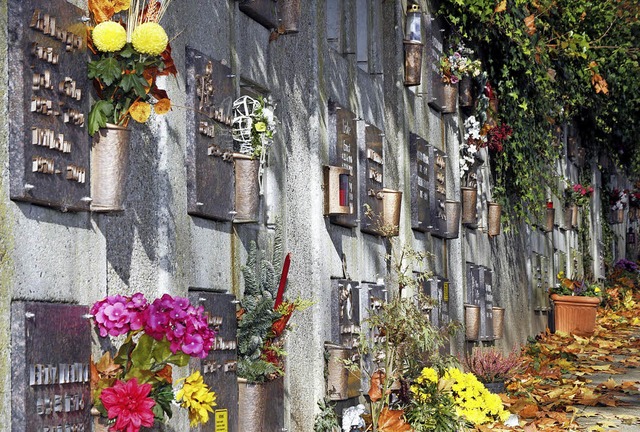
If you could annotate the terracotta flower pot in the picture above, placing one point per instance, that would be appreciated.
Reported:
(575, 314)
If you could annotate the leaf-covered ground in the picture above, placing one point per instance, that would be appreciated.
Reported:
(581, 384)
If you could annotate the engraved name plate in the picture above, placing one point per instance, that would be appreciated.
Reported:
(50, 355)
(48, 104)
(210, 179)
(372, 174)
(219, 367)
(438, 193)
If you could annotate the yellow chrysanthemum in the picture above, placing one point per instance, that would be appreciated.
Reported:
(121, 5)
(150, 38)
(140, 111)
(162, 106)
(109, 36)
(429, 374)
(197, 398)
(260, 126)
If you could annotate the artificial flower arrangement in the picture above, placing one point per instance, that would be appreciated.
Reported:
(456, 65)
(450, 400)
(253, 126)
(131, 49)
(579, 194)
(135, 388)
(474, 140)
(618, 199)
(574, 287)
(497, 136)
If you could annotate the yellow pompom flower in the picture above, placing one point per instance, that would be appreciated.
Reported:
(150, 38)
(197, 398)
(260, 126)
(140, 111)
(109, 36)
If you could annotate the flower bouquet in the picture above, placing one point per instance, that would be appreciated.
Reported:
(135, 387)
(618, 199)
(130, 50)
(459, 64)
(496, 137)
(574, 287)
(578, 194)
(474, 140)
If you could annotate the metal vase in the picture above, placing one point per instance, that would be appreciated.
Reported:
(391, 204)
(412, 63)
(617, 216)
(495, 212)
(465, 97)
(498, 322)
(341, 384)
(247, 188)
(472, 321)
(568, 216)
(575, 216)
(550, 220)
(452, 211)
(260, 406)
(469, 205)
(450, 99)
(109, 167)
(289, 15)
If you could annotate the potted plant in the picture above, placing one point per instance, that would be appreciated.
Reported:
(134, 388)
(130, 51)
(575, 304)
(492, 367)
(262, 324)
(450, 400)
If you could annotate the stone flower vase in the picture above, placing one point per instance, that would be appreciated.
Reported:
(109, 167)
(575, 314)
(495, 212)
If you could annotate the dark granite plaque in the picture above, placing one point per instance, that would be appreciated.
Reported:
(372, 175)
(219, 368)
(438, 195)
(48, 104)
(343, 152)
(210, 177)
(420, 181)
(345, 312)
(434, 51)
(486, 311)
(50, 355)
(263, 11)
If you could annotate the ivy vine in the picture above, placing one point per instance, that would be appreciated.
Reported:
(552, 62)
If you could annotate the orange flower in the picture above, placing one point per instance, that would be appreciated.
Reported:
(162, 106)
(140, 111)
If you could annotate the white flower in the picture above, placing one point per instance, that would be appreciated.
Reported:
(268, 116)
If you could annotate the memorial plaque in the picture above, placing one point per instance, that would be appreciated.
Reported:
(264, 12)
(343, 152)
(486, 315)
(219, 367)
(434, 51)
(420, 160)
(210, 177)
(48, 104)
(438, 289)
(50, 373)
(475, 292)
(438, 195)
(346, 312)
(372, 175)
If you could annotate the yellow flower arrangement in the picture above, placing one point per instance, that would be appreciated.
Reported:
(109, 36)
(197, 398)
(149, 38)
(128, 59)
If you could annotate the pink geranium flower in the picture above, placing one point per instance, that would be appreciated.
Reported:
(129, 403)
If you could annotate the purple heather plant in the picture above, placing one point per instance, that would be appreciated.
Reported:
(491, 365)
(626, 265)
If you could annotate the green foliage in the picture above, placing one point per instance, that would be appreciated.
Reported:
(553, 61)
(437, 416)
(261, 286)
(326, 420)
